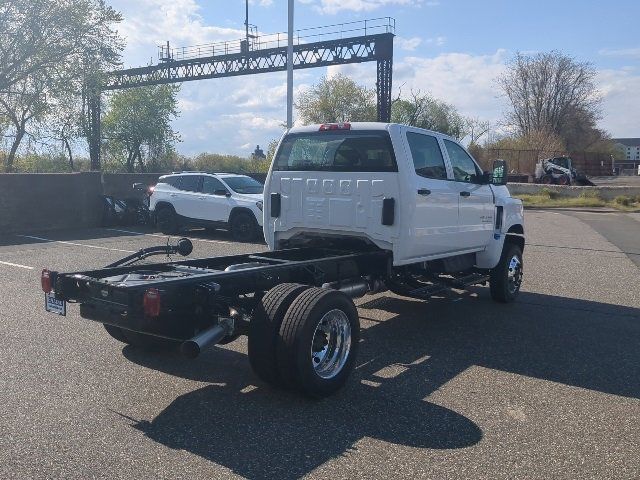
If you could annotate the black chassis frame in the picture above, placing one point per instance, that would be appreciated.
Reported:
(197, 301)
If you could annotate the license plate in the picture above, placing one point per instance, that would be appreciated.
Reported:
(53, 305)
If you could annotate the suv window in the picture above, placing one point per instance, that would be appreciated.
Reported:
(190, 183)
(211, 184)
(338, 151)
(427, 157)
(173, 181)
(464, 168)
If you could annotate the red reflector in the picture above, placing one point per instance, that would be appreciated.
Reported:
(335, 126)
(151, 302)
(45, 281)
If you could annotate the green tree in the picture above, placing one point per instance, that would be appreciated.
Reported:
(49, 50)
(337, 99)
(424, 111)
(137, 126)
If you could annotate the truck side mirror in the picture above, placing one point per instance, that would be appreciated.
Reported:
(499, 172)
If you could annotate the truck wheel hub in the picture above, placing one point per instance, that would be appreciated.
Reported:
(331, 344)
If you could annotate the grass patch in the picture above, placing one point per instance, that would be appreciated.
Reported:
(590, 198)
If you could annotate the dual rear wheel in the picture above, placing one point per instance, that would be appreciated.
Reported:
(304, 338)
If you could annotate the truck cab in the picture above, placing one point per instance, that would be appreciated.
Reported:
(416, 193)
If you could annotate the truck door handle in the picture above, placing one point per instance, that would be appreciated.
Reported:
(424, 192)
(465, 194)
(172, 194)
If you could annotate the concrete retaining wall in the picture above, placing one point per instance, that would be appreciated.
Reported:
(605, 192)
(31, 202)
(43, 201)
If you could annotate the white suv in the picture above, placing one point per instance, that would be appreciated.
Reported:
(210, 200)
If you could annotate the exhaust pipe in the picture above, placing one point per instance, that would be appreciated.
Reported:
(193, 347)
(351, 288)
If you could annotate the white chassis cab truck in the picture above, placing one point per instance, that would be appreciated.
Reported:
(349, 209)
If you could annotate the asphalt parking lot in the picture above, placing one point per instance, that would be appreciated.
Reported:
(457, 387)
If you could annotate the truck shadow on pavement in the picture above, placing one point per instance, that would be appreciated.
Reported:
(261, 433)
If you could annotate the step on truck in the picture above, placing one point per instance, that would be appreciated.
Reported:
(349, 210)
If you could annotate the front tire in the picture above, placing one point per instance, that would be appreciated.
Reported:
(243, 227)
(506, 277)
(318, 342)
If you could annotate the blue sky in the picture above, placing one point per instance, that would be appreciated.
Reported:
(453, 49)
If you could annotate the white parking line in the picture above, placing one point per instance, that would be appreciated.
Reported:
(165, 236)
(16, 265)
(76, 244)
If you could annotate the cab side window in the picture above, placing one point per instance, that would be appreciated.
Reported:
(211, 185)
(464, 168)
(427, 157)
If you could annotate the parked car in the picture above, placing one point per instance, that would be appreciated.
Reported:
(210, 200)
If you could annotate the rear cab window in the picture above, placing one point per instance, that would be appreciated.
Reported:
(337, 151)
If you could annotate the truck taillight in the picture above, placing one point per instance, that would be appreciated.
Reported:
(46, 281)
(335, 126)
(151, 302)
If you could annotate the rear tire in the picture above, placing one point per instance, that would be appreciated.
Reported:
(168, 221)
(149, 342)
(115, 332)
(243, 227)
(506, 277)
(318, 342)
(265, 327)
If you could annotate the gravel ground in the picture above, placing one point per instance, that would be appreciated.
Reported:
(457, 387)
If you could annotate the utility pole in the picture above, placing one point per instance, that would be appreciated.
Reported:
(290, 68)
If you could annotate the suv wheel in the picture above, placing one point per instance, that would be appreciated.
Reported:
(243, 227)
(168, 221)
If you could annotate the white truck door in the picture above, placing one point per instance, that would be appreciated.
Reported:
(434, 221)
(213, 203)
(476, 208)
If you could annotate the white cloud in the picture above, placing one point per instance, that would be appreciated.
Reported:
(149, 23)
(331, 7)
(622, 52)
(408, 44)
(438, 41)
(621, 102)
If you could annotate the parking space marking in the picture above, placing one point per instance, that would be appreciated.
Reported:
(165, 236)
(26, 267)
(74, 244)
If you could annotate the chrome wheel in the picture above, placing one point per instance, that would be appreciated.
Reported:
(331, 344)
(514, 274)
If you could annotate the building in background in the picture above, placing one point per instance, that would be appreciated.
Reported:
(629, 146)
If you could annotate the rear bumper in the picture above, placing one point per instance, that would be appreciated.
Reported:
(166, 326)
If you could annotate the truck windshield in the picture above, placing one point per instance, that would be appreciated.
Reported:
(337, 151)
(246, 185)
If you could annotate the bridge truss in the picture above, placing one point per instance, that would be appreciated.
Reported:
(263, 55)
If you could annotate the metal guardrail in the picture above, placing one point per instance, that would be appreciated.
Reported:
(374, 26)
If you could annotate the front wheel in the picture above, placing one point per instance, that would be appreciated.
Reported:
(318, 342)
(506, 277)
(243, 227)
